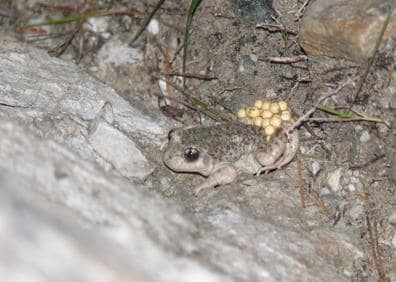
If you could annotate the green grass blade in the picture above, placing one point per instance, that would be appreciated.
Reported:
(191, 11)
(64, 20)
(339, 114)
(147, 21)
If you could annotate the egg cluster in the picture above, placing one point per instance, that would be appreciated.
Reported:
(266, 114)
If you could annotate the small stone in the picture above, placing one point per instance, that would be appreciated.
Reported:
(253, 57)
(117, 53)
(351, 188)
(333, 180)
(394, 241)
(315, 167)
(97, 24)
(358, 128)
(356, 211)
(153, 27)
(365, 137)
(248, 62)
(392, 218)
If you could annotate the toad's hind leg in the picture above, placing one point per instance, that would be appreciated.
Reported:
(271, 152)
(221, 176)
(290, 150)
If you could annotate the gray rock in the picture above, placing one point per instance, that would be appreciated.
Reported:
(345, 28)
(119, 150)
(65, 104)
(41, 240)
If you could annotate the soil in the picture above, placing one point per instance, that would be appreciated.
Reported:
(233, 57)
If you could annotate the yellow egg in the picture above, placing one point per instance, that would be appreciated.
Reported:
(258, 104)
(276, 121)
(266, 114)
(282, 105)
(266, 122)
(269, 130)
(286, 116)
(274, 108)
(258, 121)
(241, 113)
(265, 105)
(253, 112)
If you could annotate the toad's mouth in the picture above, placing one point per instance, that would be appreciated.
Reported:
(203, 166)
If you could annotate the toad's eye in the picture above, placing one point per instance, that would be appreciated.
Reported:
(170, 133)
(191, 154)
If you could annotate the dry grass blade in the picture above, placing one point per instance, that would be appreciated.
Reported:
(373, 235)
(371, 60)
(191, 11)
(200, 106)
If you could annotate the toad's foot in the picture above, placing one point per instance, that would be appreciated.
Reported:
(223, 175)
(290, 151)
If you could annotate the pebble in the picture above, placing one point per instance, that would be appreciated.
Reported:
(98, 24)
(365, 137)
(315, 167)
(333, 180)
(356, 211)
(153, 27)
(394, 241)
(358, 128)
(392, 218)
(351, 188)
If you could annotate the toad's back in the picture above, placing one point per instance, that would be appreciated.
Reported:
(227, 141)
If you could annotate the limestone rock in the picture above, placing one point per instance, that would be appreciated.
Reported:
(63, 103)
(345, 28)
(63, 219)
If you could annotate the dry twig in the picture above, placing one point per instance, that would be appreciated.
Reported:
(199, 105)
(192, 75)
(300, 182)
(319, 203)
(300, 11)
(276, 28)
(288, 60)
(306, 116)
(373, 235)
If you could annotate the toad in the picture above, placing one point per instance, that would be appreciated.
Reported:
(220, 152)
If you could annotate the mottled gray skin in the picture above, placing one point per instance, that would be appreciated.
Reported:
(226, 150)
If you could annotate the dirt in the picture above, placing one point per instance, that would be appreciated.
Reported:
(235, 54)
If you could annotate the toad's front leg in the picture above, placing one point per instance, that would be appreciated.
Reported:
(221, 176)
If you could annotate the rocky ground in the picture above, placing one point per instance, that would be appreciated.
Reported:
(84, 113)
